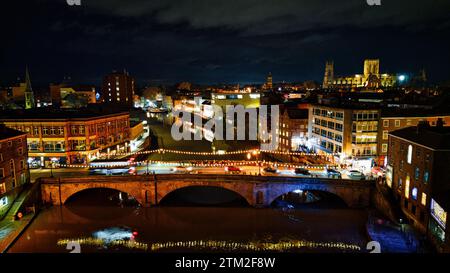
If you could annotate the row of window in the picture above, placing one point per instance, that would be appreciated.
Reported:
(329, 124)
(9, 144)
(328, 113)
(365, 116)
(327, 134)
(330, 146)
(371, 126)
(74, 129)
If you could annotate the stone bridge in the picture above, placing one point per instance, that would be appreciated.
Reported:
(259, 191)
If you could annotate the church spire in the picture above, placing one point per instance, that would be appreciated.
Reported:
(29, 96)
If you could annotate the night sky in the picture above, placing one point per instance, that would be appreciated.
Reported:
(220, 41)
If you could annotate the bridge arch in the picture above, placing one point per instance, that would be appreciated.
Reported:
(68, 192)
(279, 190)
(244, 191)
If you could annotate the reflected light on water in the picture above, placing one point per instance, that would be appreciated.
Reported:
(215, 245)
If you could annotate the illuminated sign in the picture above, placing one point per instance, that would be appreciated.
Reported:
(438, 213)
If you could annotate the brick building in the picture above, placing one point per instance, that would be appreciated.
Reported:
(418, 174)
(391, 120)
(118, 88)
(70, 137)
(13, 165)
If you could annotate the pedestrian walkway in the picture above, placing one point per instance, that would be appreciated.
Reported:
(10, 228)
(392, 238)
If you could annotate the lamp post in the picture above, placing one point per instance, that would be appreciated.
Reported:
(52, 161)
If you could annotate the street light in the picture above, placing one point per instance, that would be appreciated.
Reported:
(52, 161)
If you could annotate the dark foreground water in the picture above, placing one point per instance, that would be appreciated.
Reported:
(190, 229)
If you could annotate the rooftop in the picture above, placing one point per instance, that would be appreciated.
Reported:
(6, 132)
(295, 113)
(436, 138)
(61, 114)
(413, 112)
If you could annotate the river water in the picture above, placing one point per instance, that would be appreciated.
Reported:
(193, 229)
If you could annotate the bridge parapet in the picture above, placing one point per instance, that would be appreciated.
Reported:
(259, 191)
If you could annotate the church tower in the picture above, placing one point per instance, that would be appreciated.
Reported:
(269, 82)
(29, 96)
(329, 74)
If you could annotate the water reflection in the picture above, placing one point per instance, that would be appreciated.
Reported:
(190, 229)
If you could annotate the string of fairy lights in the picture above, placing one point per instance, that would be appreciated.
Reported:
(220, 153)
(282, 245)
(222, 163)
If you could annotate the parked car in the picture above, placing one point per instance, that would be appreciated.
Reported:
(232, 169)
(270, 169)
(332, 173)
(302, 171)
(356, 174)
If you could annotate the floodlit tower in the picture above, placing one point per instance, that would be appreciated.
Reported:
(329, 74)
(371, 67)
(29, 96)
(269, 82)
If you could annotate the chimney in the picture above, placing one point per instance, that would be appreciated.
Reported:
(423, 124)
(440, 123)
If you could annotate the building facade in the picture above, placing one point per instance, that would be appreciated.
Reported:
(371, 77)
(118, 88)
(293, 129)
(391, 122)
(349, 131)
(71, 138)
(13, 166)
(417, 173)
(68, 96)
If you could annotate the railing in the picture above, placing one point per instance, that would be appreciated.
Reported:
(231, 178)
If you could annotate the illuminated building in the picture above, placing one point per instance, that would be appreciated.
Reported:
(22, 93)
(371, 77)
(269, 82)
(13, 166)
(401, 118)
(69, 137)
(248, 100)
(293, 129)
(419, 177)
(348, 130)
(76, 96)
(118, 88)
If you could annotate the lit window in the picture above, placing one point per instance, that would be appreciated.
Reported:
(426, 177)
(424, 199)
(385, 123)
(410, 150)
(417, 173)
(397, 123)
(414, 193)
(384, 148)
(407, 186)
(385, 135)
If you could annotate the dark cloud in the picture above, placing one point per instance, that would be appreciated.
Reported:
(221, 41)
(275, 16)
